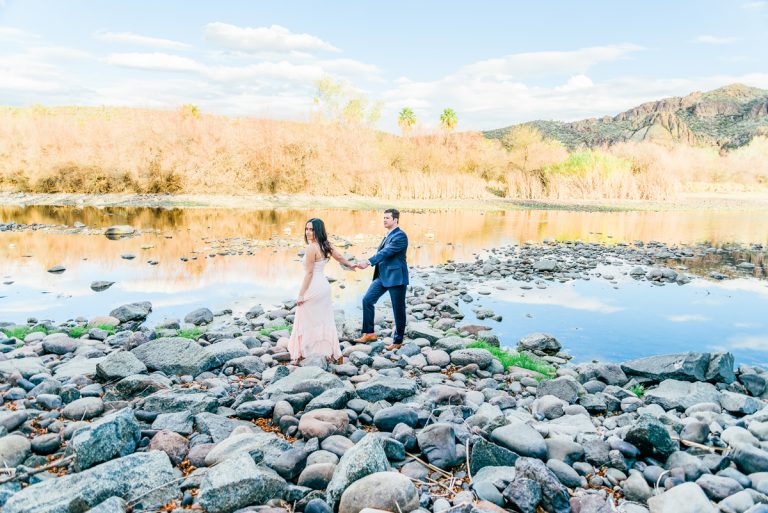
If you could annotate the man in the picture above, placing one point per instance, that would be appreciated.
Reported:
(390, 274)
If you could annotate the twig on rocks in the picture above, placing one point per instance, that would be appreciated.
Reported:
(137, 499)
(37, 470)
(658, 482)
(466, 453)
(709, 448)
(429, 466)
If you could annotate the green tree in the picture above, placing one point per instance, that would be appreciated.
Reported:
(449, 120)
(339, 101)
(406, 119)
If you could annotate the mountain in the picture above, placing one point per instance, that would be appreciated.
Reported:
(727, 117)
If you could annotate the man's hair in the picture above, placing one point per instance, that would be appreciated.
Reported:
(395, 213)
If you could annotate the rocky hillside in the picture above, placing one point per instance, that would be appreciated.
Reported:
(727, 117)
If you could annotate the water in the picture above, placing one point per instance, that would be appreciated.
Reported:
(592, 318)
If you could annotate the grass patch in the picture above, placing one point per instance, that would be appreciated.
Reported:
(513, 359)
(192, 333)
(20, 332)
(638, 390)
(111, 330)
(267, 331)
(78, 331)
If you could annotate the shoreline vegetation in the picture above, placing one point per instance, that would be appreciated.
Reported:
(741, 201)
(107, 150)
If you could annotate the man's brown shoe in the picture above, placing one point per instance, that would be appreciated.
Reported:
(393, 347)
(367, 337)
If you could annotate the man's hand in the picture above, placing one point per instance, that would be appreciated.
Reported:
(363, 265)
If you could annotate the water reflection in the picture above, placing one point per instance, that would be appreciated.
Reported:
(236, 258)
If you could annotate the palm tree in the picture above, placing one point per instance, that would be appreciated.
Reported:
(406, 119)
(448, 119)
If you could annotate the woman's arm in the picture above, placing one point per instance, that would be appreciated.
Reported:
(309, 266)
(340, 258)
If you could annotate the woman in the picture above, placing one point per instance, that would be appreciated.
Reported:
(314, 328)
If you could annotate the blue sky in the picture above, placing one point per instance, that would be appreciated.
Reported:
(495, 63)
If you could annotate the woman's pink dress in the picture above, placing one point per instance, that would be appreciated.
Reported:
(314, 328)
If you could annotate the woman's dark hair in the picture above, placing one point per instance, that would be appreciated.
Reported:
(318, 226)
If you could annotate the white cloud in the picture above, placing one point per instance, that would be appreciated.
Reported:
(138, 39)
(687, 318)
(575, 83)
(754, 342)
(263, 39)
(349, 67)
(15, 35)
(716, 40)
(155, 61)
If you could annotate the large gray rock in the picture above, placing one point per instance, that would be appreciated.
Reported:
(199, 317)
(111, 505)
(10, 420)
(387, 491)
(14, 449)
(168, 401)
(683, 366)
(303, 379)
(238, 482)
(173, 355)
(27, 367)
(672, 394)
(651, 437)
(416, 330)
(128, 478)
(84, 408)
(481, 357)
(216, 355)
(521, 439)
(543, 342)
(386, 388)
(750, 459)
(109, 437)
(59, 343)
(683, 498)
(554, 496)
(438, 444)
(132, 311)
(739, 403)
(365, 458)
(119, 365)
(78, 366)
(450, 344)
(565, 388)
(488, 454)
(262, 446)
(721, 368)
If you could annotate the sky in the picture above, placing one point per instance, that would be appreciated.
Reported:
(495, 63)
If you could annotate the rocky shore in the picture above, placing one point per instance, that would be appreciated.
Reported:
(206, 413)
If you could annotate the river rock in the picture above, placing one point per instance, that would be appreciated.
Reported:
(262, 446)
(524, 494)
(60, 344)
(438, 444)
(119, 365)
(27, 367)
(651, 437)
(172, 444)
(387, 389)
(416, 330)
(543, 342)
(99, 286)
(739, 403)
(683, 498)
(173, 355)
(317, 475)
(674, 394)
(680, 366)
(488, 454)
(199, 317)
(10, 420)
(565, 388)
(109, 437)
(132, 311)
(521, 439)
(299, 380)
(718, 488)
(129, 478)
(111, 505)
(750, 459)
(14, 449)
(238, 482)
(387, 491)
(365, 458)
(387, 418)
(322, 423)
(554, 496)
(84, 409)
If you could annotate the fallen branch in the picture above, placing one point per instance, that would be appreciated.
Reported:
(429, 466)
(37, 470)
(700, 446)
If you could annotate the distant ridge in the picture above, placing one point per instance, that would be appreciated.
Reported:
(727, 117)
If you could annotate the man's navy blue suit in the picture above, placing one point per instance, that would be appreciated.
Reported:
(390, 274)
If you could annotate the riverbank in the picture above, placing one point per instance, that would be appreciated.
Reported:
(690, 201)
(207, 411)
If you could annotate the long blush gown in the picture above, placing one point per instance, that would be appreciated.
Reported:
(314, 328)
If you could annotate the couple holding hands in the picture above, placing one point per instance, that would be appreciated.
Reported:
(314, 327)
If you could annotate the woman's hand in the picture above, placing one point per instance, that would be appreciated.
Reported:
(300, 300)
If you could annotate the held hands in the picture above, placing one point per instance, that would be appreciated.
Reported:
(362, 265)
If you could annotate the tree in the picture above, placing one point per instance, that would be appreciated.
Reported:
(530, 150)
(448, 120)
(339, 101)
(406, 119)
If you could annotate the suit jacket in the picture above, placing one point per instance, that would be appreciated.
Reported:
(389, 262)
